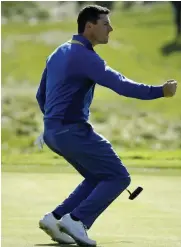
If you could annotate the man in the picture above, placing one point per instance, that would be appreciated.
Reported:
(64, 96)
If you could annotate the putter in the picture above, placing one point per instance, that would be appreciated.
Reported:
(135, 193)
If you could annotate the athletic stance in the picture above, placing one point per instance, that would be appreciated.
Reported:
(64, 96)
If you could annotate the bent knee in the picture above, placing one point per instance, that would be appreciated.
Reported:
(127, 181)
(124, 181)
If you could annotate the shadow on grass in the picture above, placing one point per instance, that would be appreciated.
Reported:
(58, 245)
(171, 47)
(114, 242)
(73, 245)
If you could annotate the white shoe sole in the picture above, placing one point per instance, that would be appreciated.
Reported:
(78, 241)
(50, 233)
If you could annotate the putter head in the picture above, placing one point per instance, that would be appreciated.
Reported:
(135, 193)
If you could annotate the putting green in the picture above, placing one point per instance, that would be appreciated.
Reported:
(152, 220)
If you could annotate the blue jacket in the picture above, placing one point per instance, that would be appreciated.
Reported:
(67, 86)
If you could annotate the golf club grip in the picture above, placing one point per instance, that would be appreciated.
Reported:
(135, 193)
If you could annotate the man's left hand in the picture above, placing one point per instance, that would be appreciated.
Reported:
(40, 141)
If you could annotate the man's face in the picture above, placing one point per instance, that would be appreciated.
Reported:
(100, 31)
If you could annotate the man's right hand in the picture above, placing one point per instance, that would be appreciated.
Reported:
(169, 88)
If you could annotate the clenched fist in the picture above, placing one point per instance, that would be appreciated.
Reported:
(169, 88)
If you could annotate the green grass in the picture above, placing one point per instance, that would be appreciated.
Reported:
(153, 219)
(46, 161)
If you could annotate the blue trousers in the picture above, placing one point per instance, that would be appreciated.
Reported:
(105, 177)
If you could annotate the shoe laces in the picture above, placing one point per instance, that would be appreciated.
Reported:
(84, 227)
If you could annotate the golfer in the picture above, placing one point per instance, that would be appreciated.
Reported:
(64, 95)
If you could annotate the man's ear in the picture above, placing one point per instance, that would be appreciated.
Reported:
(88, 25)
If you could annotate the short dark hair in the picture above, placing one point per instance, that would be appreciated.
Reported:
(90, 13)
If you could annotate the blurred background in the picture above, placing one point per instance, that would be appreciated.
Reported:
(145, 46)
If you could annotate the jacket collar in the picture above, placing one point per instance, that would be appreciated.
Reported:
(83, 40)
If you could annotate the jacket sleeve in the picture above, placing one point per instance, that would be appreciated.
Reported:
(41, 93)
(97, 70)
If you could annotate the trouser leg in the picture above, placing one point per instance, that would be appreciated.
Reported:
(100, 198)
(82, 191)
(95, 156)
